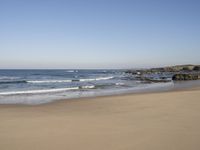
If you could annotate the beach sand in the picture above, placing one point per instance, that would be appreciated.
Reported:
(154, 121)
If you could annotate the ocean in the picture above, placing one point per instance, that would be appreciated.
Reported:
(43, 86)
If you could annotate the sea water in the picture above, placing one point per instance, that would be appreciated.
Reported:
(42, 86)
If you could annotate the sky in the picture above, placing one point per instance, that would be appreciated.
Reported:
(98, 33)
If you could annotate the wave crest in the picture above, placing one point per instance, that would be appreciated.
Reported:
(96, 79)
(46, 90)
(54, 81)
(49, 81)
(39, 91)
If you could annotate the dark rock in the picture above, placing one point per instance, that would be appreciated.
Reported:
(186, 69)
(196, 68)
(180, 77)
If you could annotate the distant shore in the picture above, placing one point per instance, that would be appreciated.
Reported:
(166, 120)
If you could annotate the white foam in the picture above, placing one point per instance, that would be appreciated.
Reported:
(8, 78)
(70, 71)
(88, 87)
(83, 80)
(104, 78)
(61, 81)
(120, 83)
(96, 79)
(50, 81)
(38, 91)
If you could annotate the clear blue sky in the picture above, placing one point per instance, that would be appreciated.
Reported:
(99, 33)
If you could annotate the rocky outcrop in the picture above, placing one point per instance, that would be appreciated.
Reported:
(181, 72)
(196, 68)
(173, 69)
(181, 77)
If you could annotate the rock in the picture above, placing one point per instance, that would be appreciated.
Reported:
(180, 77)
(196, 68)
(186, 69)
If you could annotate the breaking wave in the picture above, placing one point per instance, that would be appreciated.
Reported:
(46, 90)
(54, 81)
(96, 79)
(49, 81)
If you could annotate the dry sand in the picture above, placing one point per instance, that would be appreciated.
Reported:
(156, 121)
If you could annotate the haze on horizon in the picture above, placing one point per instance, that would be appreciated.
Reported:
(99, 33)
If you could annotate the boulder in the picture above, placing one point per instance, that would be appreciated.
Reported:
(196, 68)
(179, 77)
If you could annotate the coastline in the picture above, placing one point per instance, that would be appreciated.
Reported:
(36, 87)
(120, 95)
(164, 120)
(184, 86)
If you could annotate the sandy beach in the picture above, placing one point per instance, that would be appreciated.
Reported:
(154, 121)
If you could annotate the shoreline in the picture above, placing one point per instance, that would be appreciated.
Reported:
(133, 94)
(128, 93)
(148, 121)
(112, 96)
